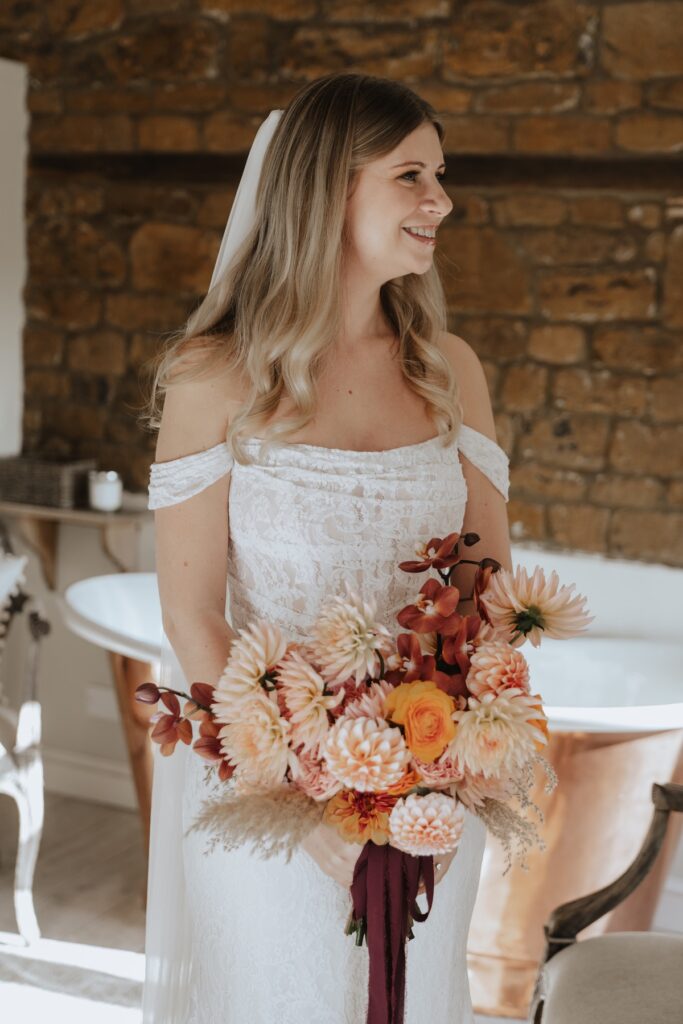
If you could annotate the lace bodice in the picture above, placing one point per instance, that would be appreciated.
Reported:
(304, 518)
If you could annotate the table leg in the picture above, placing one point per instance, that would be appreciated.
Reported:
(129, 674)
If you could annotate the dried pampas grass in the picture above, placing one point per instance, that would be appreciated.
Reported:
(506, 823)
(273, 821)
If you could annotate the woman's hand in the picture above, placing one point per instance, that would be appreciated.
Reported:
(333, 855)
(442, 862)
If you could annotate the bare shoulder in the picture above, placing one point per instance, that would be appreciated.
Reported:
(469, 373)
(199, 404)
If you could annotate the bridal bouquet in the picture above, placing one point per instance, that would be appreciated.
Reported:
(387, 741)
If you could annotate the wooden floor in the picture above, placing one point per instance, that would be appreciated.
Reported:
(88, 892)
(90, 875)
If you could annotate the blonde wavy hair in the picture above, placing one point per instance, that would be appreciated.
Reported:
(275, 314)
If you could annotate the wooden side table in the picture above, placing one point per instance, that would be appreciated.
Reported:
(38, 526)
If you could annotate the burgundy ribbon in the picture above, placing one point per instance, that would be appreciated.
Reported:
(384, 892)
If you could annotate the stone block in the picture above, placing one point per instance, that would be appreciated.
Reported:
(529, 210)
(524, 388)
(496, 338)
(588, 295)
(578, 527)
(610, 96)
(574, 245)
(572, 134)
(545, 483)
(64, 306)
(527, 520)
(625, 491)
(654, 450)
(486, 271)
(168, 134)
(577, 441)
(528, 98)
(43, 346)
(650, 536)
(672, 305)
(97, 352)
(476, 134)
(649, 133)
(559, 344)
(642, 40)
(494, 40)
(666, 399)
(638, 349)
(596, 211)
(164, 253)
(580, 390)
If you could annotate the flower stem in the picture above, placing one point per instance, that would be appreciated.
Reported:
(181, 693)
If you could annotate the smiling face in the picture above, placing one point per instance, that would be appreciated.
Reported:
(393, 193)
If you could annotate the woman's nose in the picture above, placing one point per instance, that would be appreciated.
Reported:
(436, 200)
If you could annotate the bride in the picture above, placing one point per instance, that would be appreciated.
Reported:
(319, 422)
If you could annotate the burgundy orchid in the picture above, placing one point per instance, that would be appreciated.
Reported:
(170, 728)
(433, 610)
(147, 693)
(202, 699)
(445, 555)
(486, 569)
(411, 664)
(208, 746)
(458, 645)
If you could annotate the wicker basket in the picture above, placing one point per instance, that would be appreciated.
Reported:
(33, 481)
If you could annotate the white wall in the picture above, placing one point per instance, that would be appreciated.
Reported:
(13, 130)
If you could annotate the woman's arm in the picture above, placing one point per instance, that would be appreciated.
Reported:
(192, 537)
(485, 512)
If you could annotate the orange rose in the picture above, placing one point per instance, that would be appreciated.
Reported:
(425, 712)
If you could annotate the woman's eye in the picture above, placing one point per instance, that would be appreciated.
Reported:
(407, 174)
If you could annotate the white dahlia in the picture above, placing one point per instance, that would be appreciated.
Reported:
(496, 666)
(256, 742)
(302, 688)
(369, 704)
(254, 653)
(346, 639)
(533, 606)
(498, 732)
(473, 790)
(365, 754)
(426, 825)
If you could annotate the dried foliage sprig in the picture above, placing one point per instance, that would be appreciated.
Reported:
(272, 822)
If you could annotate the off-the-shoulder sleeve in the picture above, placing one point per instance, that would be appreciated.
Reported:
(178, 479)
(487, 456)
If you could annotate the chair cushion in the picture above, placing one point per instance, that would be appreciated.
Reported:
(619, 978)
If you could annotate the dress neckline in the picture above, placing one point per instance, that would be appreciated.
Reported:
(351, 451)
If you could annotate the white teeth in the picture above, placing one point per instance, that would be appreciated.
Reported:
(425, 232)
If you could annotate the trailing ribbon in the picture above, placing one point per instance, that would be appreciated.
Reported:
(384, 893)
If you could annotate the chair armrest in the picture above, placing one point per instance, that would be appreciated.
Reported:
(567, 920)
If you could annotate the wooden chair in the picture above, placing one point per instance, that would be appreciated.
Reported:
(620, 977)
(21, 764)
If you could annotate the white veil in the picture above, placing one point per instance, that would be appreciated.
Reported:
(168, 941)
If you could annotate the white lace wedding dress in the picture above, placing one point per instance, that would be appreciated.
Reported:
(267, 937)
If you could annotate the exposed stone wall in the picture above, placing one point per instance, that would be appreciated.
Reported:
(563, 257)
